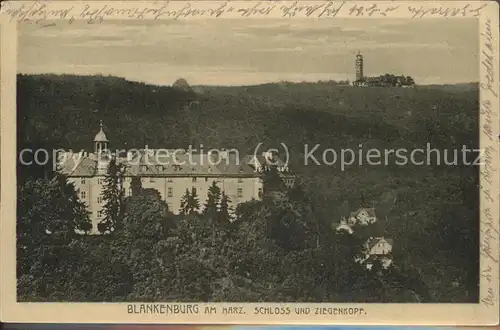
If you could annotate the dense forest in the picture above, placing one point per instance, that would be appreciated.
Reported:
(283, 250)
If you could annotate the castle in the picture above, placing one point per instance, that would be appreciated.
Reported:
(170, 173)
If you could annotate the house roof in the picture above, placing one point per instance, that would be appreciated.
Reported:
(369, 210)
(375, 240)
(345, 227)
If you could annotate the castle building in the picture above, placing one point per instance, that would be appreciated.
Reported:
(170, 172)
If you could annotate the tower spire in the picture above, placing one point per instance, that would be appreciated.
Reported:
(100, 140)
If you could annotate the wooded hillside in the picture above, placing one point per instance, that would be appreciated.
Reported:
(431, 212)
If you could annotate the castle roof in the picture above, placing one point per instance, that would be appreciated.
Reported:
(79, 165)
(146, 164)
(100, 137)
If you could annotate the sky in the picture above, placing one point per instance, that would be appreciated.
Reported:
(247, 52)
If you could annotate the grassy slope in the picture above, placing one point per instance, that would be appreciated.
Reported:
(418, 202)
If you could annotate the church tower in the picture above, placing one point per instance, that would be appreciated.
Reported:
(359, 67)
(100, 141)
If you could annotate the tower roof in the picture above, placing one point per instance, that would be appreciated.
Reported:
(100, 136)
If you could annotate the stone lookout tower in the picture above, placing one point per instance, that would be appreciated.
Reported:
(359, 67)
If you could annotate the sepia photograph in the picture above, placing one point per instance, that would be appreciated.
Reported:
(168, 163)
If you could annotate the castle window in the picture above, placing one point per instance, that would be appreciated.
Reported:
(193, 191)
(99, 214)
(194, 179)
(206, 178)
(83, 194)
(260, 192)
(100, 181)
(99, 200)
(170, 192)
(170, 180)
(130, 191)
(83, 181)
(240, 192)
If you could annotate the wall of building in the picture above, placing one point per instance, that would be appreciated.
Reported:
(238, 189)
(89, 190)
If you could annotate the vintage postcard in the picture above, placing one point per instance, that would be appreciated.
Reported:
(250, 162)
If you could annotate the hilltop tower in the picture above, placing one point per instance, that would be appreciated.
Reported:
(359, 67)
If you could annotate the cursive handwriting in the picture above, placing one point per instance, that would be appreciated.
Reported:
(259, 9)
(37, 12)
(490, 234)
(41, 11)
(359, 10)
(489, 299)
(488, 246)
(489, 61)
(441, 11)
(488, 115)
(97, 14)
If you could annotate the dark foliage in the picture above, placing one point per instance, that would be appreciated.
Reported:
(275, 250)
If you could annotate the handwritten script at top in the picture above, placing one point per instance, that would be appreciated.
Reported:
(39, 12)
(489, 185)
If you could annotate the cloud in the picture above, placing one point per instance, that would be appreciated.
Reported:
(241, 50)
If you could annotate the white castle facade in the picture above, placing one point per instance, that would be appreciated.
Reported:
(240, 179)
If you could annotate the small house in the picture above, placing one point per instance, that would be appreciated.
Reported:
(363, 216)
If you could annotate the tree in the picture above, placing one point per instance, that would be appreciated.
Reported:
(113, 197)
(271, 179)
(135, 186)
(189, 203)
(213, 200)
(146, 216)
(212, 206)
(184, 210)
(50, 207)
(193, 202)
(224, 210)
(49, 216)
